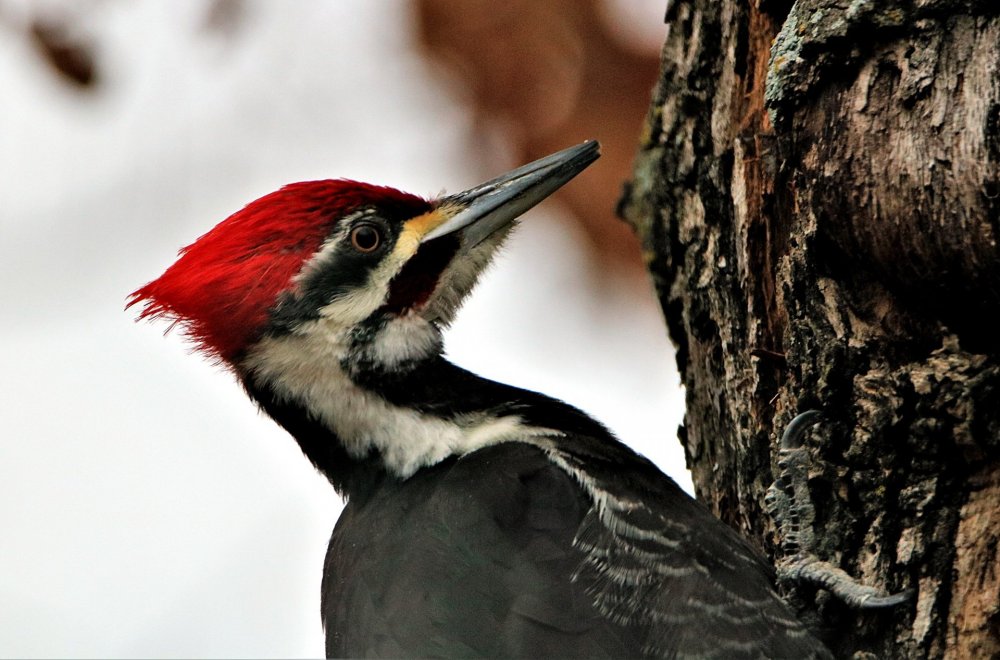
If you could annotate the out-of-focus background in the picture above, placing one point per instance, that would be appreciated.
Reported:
(146, 508)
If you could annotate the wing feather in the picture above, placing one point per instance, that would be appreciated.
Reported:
(657, 561)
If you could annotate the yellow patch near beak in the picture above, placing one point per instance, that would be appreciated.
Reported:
(416, 228)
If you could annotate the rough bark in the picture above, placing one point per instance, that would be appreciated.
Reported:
(818, 198)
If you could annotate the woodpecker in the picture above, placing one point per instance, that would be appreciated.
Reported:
(481, 519)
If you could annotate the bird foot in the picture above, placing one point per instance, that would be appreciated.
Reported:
(790, 505)
(811, 570)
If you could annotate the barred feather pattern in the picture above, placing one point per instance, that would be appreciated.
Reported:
(688, 580)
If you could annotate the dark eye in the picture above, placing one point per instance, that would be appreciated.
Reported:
(366, 238)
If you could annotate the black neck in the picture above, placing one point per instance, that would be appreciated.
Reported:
(434, 387)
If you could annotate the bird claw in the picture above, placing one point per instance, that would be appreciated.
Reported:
(891, 600)
(790, 505)
(811, 570)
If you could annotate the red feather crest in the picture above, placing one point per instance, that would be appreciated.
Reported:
(222, 286)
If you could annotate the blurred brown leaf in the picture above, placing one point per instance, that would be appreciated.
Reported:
(552, 73)
(224, 16)
(70, 55)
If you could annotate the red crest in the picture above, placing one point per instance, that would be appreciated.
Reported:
(223, 285)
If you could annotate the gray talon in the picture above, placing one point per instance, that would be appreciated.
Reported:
(790, 505)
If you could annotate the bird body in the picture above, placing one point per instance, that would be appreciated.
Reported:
(481, 519)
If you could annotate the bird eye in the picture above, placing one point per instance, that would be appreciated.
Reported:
(366, 238)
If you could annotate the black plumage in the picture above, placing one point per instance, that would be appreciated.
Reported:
(566, 544)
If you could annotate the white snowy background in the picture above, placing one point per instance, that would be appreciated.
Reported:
(146, 507)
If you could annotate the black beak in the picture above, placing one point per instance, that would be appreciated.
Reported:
(480, 211)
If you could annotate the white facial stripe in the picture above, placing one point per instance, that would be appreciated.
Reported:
(305, 367)
(348, 310)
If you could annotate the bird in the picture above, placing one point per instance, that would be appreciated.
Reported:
(481, 519)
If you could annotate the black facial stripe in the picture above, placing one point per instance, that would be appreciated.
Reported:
(342, 270)
(419, 277)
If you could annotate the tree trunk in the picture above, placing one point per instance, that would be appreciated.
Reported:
(818, 199)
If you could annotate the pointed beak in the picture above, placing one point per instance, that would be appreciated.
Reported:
(479, 212)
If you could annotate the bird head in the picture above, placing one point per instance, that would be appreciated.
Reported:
(341, 270)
